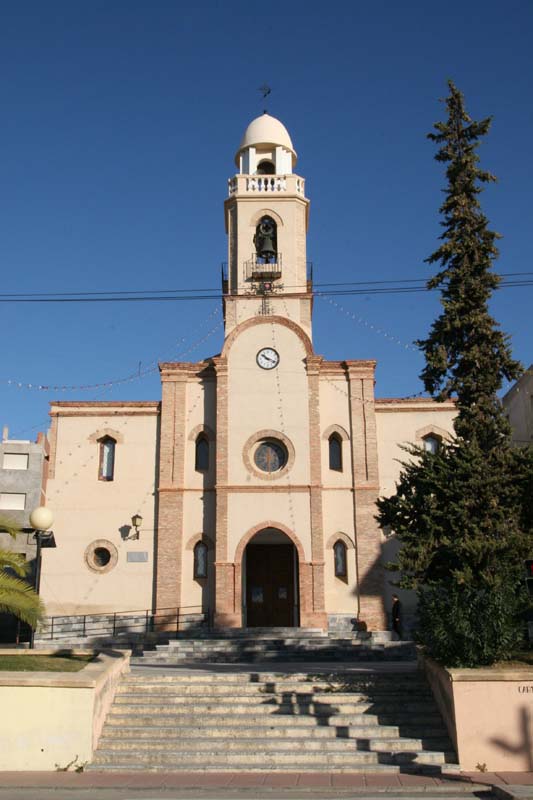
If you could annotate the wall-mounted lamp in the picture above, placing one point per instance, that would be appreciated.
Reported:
(136, 522)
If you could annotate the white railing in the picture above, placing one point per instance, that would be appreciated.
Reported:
(261, 184)
(266, 183)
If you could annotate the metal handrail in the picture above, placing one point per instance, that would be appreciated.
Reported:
(114, 622)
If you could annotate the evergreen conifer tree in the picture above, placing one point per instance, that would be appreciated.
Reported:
(461, 514)
(466, 353)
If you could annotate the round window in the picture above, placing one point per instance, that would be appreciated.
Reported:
(270, 456)
(101, 556)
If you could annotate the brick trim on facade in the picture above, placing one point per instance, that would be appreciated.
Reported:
(428, 430)
(198, 429)
(254, 321)
(247, 454)
(370, 576)
(319, 617)
(305, 571)
(225, 614)
(102, 432)
(199, 537)
(338, 429)
(52, 438)
(169, 528)
(340, 536)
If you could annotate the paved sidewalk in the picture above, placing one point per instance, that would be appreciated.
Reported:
(112, 785)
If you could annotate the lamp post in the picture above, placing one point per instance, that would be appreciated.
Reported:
(41, 520)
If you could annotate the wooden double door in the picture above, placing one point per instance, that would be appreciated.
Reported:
(271, 585)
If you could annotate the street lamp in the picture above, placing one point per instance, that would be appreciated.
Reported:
(136, 521)
(41, 520)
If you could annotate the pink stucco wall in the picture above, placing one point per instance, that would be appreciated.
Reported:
(488, 713)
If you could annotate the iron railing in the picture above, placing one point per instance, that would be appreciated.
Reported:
(164, 620)
(266, 273)
(258, 269)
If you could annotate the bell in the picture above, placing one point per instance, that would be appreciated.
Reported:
(267, 249)
(265, 240)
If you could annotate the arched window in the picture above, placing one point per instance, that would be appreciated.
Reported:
(339, 557)
(201, 461)
(200, 560)
(335, 452)
(106, 459)
(431, 443)
(266, 167)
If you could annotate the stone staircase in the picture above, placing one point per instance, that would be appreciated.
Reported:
(196, 720)
(275, 645)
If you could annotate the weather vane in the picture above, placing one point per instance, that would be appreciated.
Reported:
(265, 91)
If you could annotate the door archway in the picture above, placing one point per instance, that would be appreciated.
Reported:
(270, 581)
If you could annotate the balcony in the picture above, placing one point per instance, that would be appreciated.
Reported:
(266, 184)
(258, 270)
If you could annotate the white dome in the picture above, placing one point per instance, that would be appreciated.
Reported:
(266, 130)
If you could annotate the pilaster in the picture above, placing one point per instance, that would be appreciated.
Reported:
(317, 565)
(365, 492)
(225, 613)
(169, 539)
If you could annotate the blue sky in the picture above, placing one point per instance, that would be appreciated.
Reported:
(120, 121)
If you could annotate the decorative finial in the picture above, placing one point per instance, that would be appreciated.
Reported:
(265, 91)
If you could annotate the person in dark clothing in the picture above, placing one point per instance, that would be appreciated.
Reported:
(396, 614)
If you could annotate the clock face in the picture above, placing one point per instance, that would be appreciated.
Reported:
(268, 358)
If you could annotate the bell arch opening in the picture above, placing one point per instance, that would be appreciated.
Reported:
(266, 167)
(270, 581)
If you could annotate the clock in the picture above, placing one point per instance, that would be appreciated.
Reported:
(267, 358)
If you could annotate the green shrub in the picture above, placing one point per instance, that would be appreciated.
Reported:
(470, 626)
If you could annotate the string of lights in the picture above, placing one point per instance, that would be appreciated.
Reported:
(362, 321)
(138, 375)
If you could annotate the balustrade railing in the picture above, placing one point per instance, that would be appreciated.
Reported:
(261, 184)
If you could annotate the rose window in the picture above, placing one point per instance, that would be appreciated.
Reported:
(270, 456)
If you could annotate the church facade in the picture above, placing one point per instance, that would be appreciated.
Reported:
(255, 476)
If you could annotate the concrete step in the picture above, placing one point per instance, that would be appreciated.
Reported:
(271, 642)
(272, 658)
(336, 677)
(251, 633)
(318, 767)
(273, 691)
(172, 718)
(328, 760)
(316, 710)
(118, 728)
(254, 720)
(288, 744)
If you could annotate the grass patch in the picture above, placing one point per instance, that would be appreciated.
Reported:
(62, 662)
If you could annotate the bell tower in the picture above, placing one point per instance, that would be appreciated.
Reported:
(266, 217)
